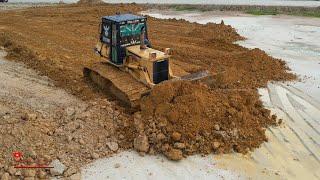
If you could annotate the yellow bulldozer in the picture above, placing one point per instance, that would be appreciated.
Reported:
(130, 67)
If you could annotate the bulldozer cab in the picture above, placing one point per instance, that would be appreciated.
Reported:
(121, 31)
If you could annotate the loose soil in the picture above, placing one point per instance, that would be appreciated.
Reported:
(191, 118)
(177, 119)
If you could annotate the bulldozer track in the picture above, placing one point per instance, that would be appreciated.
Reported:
(118, 83)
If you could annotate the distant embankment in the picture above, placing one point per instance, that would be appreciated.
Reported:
(250, 9)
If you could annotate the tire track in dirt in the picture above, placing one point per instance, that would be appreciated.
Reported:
(292, 151)
(303, 130)
(301, 118)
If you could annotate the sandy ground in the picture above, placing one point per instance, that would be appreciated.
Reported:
(129, 165)
(23, 87)
(293, 148)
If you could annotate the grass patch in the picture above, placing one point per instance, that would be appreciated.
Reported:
(188, 8)
(309, 14)
(254, 10)
(185, 8)
(261, 12)
(306, 13)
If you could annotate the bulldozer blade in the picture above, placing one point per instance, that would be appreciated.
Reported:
(195, 76)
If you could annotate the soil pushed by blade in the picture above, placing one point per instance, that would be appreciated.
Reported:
(190, 118)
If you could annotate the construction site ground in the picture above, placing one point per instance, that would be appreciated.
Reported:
(48, 110)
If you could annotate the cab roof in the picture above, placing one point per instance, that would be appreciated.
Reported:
(123, 17)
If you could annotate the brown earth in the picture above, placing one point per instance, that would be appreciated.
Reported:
(192, 118)
(178, 119)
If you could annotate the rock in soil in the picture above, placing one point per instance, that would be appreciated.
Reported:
(141, 143)
(113, 146)
(174, 154)
(70, 171)
(176, 136)
(58, 168)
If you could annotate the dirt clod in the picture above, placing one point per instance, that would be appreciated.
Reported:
(141, 143)
(113, 146)
(117, 165)
(174, 154)
(176, 136)
(94, 155)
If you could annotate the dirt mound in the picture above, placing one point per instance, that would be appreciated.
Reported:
(184, 118)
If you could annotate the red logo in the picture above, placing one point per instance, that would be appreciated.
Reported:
(17, 155)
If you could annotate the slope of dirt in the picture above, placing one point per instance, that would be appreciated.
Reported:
(57, 42)
(190, 118)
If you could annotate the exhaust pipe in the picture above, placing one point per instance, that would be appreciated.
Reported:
(142, 38)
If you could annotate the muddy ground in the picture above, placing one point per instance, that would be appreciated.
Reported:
(58, 41)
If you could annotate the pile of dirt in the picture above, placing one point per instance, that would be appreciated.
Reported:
(184, 118)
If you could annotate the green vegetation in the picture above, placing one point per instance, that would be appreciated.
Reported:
(188, 8)
(254, 10)
(306, 13)
(259, 12)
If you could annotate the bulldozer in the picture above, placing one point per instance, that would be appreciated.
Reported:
(130, 67)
